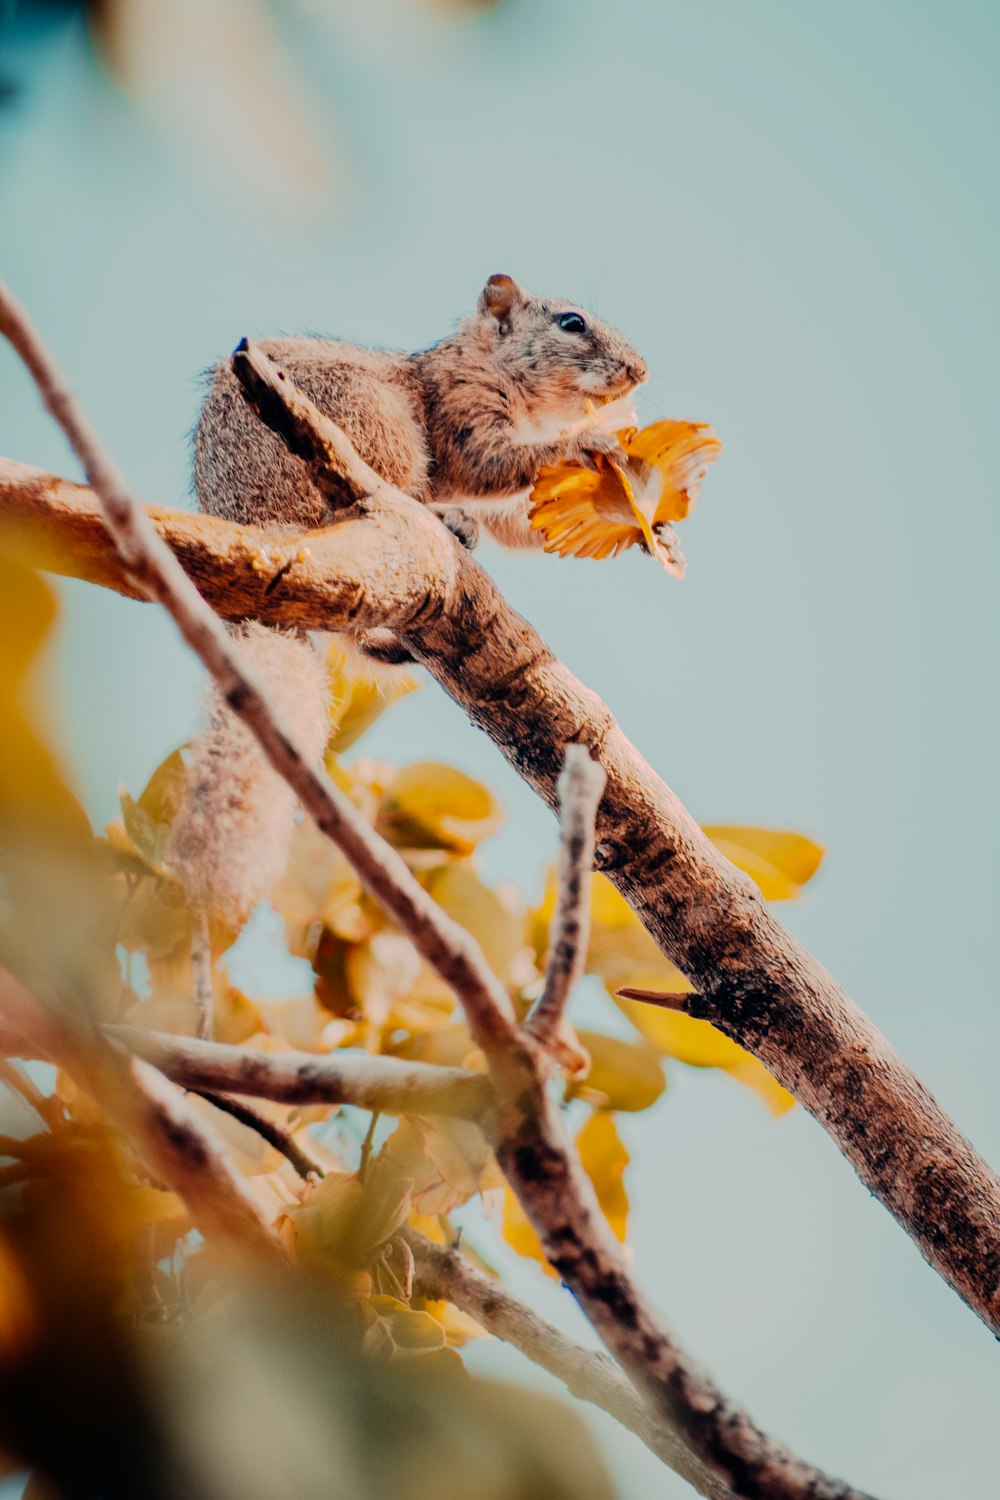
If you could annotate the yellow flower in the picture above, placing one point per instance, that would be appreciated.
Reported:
(599, 513)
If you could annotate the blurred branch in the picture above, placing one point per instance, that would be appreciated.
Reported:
(580, 786)
(165, 1132)
(445, 1275)
(201, 965)
(526, 1129)
(389, 1084)
(281, 1140)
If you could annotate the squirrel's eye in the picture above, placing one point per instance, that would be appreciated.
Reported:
(571, 323)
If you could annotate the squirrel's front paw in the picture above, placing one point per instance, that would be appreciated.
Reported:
(598, 440)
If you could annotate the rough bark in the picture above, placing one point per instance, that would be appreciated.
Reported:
(387, 1084)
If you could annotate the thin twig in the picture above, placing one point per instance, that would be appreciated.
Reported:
(580, 786)
(204, 988)
(366, 1147)
(665, 999)
(281, 1140)
(391, 1084)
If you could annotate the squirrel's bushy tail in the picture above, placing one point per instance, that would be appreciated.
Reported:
(232, 833)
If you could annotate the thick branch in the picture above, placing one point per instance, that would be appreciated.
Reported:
(349, 576)
(388, 1084)
(446, 1275)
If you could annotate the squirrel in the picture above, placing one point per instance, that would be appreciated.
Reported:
(463, 427)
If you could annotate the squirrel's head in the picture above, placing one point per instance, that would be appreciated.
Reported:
(554, 349)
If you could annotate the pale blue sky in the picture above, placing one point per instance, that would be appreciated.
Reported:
(792, 210)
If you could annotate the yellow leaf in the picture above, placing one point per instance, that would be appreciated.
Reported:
(148, 822)
(604, 1159)
(624, 954)
(690, 1041)
(583, 512)
(447, 1161)
(780, 862)
(236, 1018)
(448, 1046)
(319, 888)
(31, 785)
(701, 1045)
(620, 948)
(356, 701)
(459, 1328)
(57, 927)
(499, 930)
(519, 1232)
(154, 1205)
(344, 1221)
(434, 806)
(629, 1075)
(380, 974)
(752, 1072)
(409, 1328)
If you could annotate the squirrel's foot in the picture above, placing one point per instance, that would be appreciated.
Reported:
(461, 525)
(381, 646)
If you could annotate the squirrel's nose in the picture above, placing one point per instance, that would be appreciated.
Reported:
(638, 370)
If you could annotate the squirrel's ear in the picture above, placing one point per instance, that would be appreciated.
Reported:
(499, 297)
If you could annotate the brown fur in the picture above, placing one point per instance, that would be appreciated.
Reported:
(468, 422)
(464, 426)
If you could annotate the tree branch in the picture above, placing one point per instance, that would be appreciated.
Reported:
(754, 980)
(527, 1129)
(580, 786)
(445, 1275)
(165, 1132)
(281, 1140)
(389, 1084)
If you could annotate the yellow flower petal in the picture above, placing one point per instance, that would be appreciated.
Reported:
(681, 452)
(598, 513)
